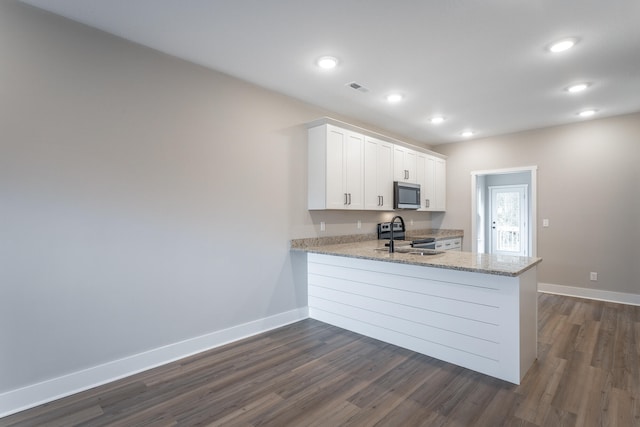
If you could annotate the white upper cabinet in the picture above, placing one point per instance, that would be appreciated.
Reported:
(355, 170)
(404, 164)
(431, 172)
(378, 174)
(336, 174)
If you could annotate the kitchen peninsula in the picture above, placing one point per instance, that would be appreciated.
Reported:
(478, 311)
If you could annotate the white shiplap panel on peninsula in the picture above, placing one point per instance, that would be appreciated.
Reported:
(469, 319)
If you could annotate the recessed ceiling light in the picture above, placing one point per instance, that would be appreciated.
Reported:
(587, 113)
(467, 134)
(394, 97)
(578, 87)
(327, 62)
(562, 45)
(436, 120)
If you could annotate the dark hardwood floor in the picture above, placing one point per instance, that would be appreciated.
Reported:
(313, 374)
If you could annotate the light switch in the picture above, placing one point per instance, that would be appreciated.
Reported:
(545, 222)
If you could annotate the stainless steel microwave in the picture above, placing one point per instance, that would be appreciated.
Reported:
(406, 195)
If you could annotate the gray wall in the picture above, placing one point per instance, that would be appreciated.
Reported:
(588, 188)
(143, 200)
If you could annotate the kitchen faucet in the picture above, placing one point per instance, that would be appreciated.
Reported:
(392, 248)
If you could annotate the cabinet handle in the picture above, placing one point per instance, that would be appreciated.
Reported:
(349, 198)
(345, 199)
(381, 200)
(426, 203)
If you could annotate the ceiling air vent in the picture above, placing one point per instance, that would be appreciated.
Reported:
(358, 87)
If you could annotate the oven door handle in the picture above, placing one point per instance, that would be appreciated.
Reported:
(424, 245)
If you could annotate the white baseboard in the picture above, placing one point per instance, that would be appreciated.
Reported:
(36, 394)
(596, 294)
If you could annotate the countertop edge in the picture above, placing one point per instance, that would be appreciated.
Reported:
(400, 258)
(437, 234)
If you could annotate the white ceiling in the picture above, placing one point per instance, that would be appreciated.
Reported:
(482, 64)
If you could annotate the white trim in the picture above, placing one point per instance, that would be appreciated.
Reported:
(344, 125)
(534, 203)
(36, 394)
(595, 294)
(505, 170)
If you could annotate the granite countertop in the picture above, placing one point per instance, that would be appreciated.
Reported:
(502, 265)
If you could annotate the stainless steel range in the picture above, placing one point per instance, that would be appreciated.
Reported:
(399, 234)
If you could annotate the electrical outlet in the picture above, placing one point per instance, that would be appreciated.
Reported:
(322, 226)
(411, 222)
(593, 276)
(359, 224)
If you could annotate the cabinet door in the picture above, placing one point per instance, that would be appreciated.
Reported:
(336, 143)
(385, 175)
(440, 184)
(426, 170)
(354, 170)
(432, 182)
(410, 162)
(421, 177)
(378, 174)
(404, 164)
(399, 171)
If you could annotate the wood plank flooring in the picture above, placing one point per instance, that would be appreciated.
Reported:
(314, 374)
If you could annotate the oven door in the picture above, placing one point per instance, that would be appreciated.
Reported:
(424, 244)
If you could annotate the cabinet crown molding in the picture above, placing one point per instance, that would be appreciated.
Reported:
(331, 121)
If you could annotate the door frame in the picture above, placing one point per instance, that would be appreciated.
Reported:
(533, 205)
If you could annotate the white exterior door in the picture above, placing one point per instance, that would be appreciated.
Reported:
(509, 228)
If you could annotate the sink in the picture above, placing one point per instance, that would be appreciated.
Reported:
(399, 249)
(412, 251)
(424, 252)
